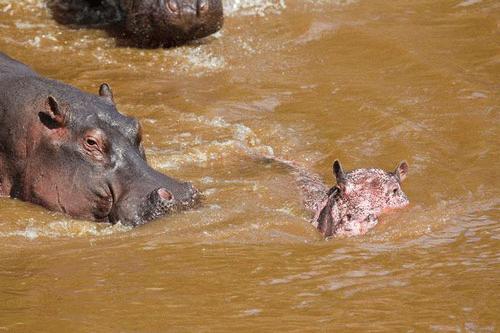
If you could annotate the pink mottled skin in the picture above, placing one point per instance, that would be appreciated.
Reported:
(353, 206)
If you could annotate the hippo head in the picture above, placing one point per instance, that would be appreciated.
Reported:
(90, 163)
(171, 22)
(352, 206)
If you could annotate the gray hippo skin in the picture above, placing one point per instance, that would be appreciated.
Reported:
(148, 23)
(353, 205)
(73, 152)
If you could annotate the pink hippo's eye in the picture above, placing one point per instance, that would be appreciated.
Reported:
(395, 191)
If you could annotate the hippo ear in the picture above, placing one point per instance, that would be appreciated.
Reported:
(401, 171)
(106, 93)
(54, 117)
(338, 172)
(339, 175)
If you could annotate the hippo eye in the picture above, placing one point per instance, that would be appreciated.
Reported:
(91, 142)
(94, 144)
(395, 191)
(173, 6)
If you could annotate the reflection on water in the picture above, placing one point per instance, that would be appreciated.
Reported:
(368, 82)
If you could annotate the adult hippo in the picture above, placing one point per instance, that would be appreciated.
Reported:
(149, 23)
(73, 152)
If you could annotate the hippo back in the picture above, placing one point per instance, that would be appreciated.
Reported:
(11, 67)
(311, 186)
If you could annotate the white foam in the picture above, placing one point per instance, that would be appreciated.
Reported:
(468, 3)
(337, 3)
(64, 228)
(27, 25)
(103, 56)
(35, 42)
(253, 7)
(240, 138)
(197, 60)
(476, 95)
(316, 31)
(251, 312)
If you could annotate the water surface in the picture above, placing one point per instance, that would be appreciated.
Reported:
(367, 82)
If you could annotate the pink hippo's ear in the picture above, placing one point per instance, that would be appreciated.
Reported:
(401, 171)
(106, 93)
(54, 117)
(339, 175)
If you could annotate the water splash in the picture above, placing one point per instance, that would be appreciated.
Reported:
(253, 7)
(197, 60)
(32, 229)
(468, 3)
(237, 138)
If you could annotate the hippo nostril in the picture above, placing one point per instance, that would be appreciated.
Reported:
(164, 194)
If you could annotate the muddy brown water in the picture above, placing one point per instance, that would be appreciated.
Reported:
(368, 82)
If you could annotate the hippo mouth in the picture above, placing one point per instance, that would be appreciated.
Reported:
(175, 35)
(158, 203)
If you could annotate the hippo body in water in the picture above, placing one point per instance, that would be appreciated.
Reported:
(148, 23)
(73, 152)
(351, 207)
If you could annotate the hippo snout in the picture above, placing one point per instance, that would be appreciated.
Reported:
(158, 203)
(162, 202)
(190, 197)
(141, 206)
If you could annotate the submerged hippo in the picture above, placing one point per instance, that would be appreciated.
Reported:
(351, 207)
(149, 23)
(73, 152)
